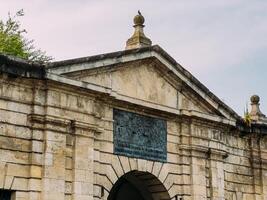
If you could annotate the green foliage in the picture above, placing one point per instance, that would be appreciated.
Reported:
(247, 117)
(13, 42)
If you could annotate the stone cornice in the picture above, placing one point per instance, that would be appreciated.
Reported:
(64, 125)
(87, 126)
(209, 117)
(211, 152)
(111, 93)
(43, 119)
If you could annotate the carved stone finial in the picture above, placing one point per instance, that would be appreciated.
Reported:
(138, 39)
(139, 20)
(255, 112)
(255, 99)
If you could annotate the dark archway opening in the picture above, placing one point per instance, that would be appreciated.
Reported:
(137, 185)
(5, 194)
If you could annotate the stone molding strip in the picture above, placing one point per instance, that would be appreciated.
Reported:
(64, 123)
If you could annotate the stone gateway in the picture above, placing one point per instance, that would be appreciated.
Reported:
(127, 125)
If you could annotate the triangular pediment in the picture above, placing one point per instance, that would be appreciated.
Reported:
(140, 80)
(148, 75)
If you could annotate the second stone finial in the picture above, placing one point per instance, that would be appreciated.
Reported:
(138, 39)
(255, 112)
(139, 20)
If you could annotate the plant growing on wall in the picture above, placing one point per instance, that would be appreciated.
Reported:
(247, 117)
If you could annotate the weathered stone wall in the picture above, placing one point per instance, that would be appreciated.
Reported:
(245, 167)
(20, 149)
(56, 142)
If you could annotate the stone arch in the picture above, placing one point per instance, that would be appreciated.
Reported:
(139, 185)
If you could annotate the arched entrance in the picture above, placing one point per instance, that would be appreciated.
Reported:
(137, 185)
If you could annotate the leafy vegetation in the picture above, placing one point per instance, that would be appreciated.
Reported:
(13, 41)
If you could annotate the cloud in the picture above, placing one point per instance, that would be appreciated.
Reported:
(213, 35)
(209, 38)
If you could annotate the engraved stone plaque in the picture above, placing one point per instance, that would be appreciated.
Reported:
(139, 136)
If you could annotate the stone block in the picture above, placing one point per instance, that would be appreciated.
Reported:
(37, 146)
(117, 165)
(14, 156)
(35, 171)
(15, 131)
(173, 138)
(13, 118)
(149, 166)
(18, 170)
(2, 174)
(54, 172)
(97, 191)
(141, 165)
(173, 127)
(37, 159)
(20, 184)
(20, 195)
(33, 195)
(53, 196)
(54, 147)
(125, 163)
(199, 179)
(156, 168)
(68, 175)
(48, 159)
(106, 146)
(54, 186)
(68, 188)
(200, 190)
(185, 169)
(80, 175)
(77, 187)
(7, 182)
(37, 135)
(87, 189)
(172, 148)
(172, 158)
(15, 144)
(35, 184)
(82, 197)
(68, 197)
(111, 174)
(68, 163)
(55, 137)
(133, 163)
(103, 181)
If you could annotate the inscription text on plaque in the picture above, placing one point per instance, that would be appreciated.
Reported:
(139, 136)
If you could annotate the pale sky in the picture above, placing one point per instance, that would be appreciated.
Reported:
(223, 43)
